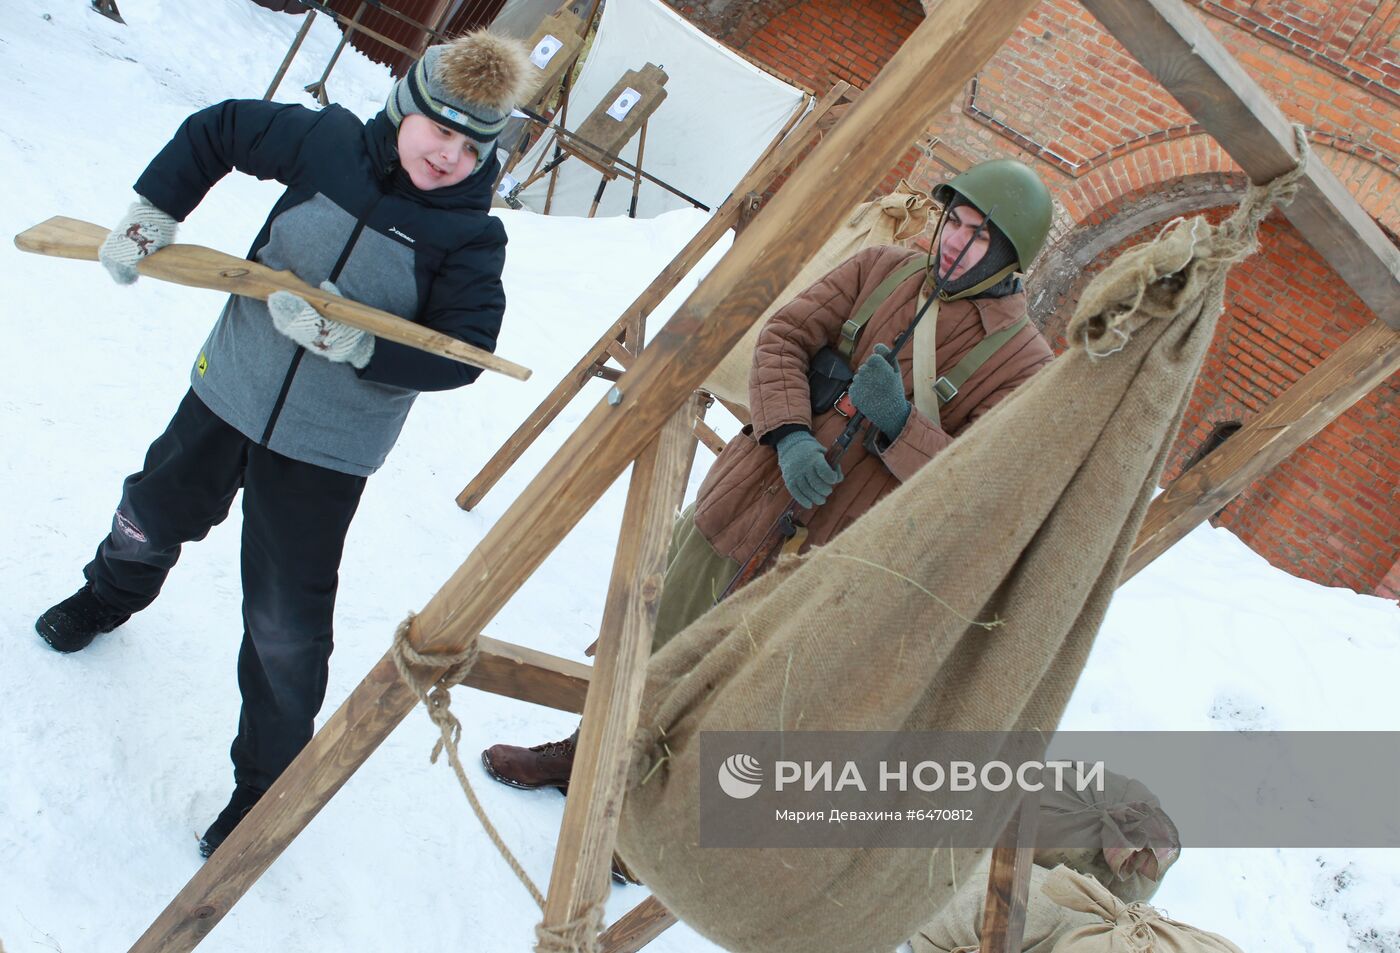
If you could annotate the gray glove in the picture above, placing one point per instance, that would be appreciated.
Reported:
(809, 478)
(144, 230)
(318, 334)
(878, 392)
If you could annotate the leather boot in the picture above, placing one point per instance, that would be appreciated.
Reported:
(542, 766)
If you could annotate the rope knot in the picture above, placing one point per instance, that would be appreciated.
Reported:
(578, 935)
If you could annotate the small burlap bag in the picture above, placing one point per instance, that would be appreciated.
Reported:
(1120, 836)
(1028, 520)
(888, 220)
(958, 926)
(1117, 927)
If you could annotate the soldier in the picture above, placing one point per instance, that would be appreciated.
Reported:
(964, 359)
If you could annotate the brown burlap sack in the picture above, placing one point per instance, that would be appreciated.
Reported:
(1117, 927)
(1027, 520)
(958, 926)
(1120, 836)
(887, 220)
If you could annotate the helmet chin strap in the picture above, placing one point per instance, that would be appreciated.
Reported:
(981, 286)
(940, 281)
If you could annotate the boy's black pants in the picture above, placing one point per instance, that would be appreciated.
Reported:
(295, 516)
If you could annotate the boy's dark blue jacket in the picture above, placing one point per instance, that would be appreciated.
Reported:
(351, 215)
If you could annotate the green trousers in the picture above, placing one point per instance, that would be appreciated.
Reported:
(695, 576)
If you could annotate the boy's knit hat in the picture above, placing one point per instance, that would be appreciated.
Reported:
(470, 84)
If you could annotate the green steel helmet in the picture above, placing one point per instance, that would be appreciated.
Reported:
(1019, 202)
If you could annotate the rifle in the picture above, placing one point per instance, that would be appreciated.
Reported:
(786, 530)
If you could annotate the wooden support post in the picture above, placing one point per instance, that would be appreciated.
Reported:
(1318, 398)
(1170, 40)
(917, 83)
(637, 176)
(1009, 881)
(558, 144)
(291, 54)
(632, 321)
(318, 88)
(598, 196)
(596, 786)
(636, 928)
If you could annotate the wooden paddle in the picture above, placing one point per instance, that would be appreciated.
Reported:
(201, 267)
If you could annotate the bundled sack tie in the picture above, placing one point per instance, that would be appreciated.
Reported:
(1120, 836)
(1122, 928)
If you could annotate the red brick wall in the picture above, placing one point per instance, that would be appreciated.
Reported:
(1121, 157)
(1331, 511)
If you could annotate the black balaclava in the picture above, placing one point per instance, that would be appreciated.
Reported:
(1000, 253)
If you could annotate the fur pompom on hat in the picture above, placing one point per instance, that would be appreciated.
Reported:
(469, 85)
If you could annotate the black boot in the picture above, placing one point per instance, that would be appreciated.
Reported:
(71, 625)
(239, 805)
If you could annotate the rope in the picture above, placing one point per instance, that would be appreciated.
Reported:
(579, 935)
(1183, 266)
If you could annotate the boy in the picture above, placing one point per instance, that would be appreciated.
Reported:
(294, 408)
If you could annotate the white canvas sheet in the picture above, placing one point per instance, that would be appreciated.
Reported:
(719, 114)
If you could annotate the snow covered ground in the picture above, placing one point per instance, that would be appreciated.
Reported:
(113, 761)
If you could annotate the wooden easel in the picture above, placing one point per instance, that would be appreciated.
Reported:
(568, 29)
(644, 425)
(602, 136)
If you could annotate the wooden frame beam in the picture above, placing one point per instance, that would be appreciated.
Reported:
(1318, 398)
(1172, 43)
(920, 79)
(530, 676)
(589, 830)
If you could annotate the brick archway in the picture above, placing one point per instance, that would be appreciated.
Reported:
(1331, 511)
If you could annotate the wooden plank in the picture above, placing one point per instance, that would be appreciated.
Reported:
(589, 830)
(1174, 45)
(530, 676)
(634, 318)
(1009, 881)
(620, 354)
(636, 928)
(712, 441)
(918, 82)
(198, 267)
(1319, 397)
